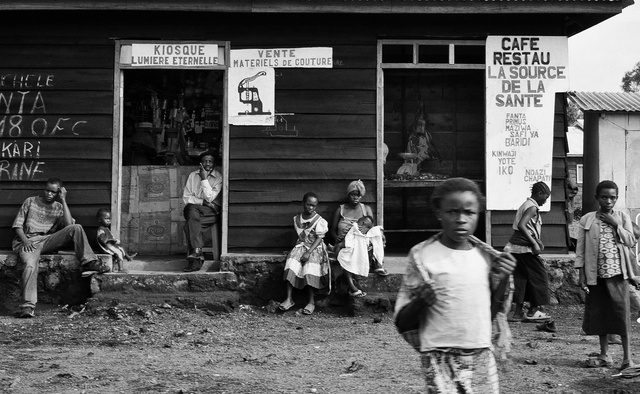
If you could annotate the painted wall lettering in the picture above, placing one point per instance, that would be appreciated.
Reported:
(20, 149)
(26, 81)
(14, 126)
(20, 170)
(23, 114)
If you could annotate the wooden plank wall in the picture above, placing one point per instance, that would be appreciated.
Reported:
(56, 100)
(330, 141)
(554, 225)
(334, 109)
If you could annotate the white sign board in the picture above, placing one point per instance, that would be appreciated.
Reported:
(522, 76)
(319, 57)
(175, 55)
(251, 94)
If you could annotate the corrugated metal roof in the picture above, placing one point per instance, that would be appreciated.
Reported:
(606, 102)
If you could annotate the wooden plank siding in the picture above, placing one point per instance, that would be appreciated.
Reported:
(56, 104)
(334, 110)
(334, 143)
(554, 225)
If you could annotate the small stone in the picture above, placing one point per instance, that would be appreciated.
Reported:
(377, 320)
(272, 306)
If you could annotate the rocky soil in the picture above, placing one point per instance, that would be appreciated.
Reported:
(164, 349)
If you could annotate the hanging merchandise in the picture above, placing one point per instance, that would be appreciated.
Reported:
(420, 141)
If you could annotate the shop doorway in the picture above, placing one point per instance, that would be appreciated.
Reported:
(166, 118)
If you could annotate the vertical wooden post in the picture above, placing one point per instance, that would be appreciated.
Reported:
(379, 138)
(487, 227)
(225, 153)
(116, 155)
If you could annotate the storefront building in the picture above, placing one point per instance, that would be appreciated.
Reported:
(119, 98)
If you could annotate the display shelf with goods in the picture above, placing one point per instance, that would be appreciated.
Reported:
(181, 111)
(433, 131)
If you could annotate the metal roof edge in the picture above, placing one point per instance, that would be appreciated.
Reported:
(330, 6)
(606, 101)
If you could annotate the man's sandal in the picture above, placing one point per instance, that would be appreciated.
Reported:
(538, 316)
(358, 294)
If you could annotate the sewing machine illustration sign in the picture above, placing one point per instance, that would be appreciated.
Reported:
(255, 101)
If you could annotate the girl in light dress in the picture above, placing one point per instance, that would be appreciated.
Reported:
(307, 264)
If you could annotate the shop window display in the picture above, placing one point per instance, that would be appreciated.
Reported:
(171, 116)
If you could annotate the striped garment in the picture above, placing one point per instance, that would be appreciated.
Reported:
(459, 371)
(37, 218)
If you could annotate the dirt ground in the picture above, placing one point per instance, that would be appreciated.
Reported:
(161, 349)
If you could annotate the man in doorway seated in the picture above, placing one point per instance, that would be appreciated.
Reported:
(202, 202)
(44, 225)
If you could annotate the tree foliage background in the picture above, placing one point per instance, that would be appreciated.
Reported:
(631, 80)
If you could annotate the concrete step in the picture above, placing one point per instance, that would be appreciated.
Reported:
(205, 290)
(171, 263)
(221, 285)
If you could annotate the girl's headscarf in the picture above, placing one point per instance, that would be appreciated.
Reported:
(356, 186)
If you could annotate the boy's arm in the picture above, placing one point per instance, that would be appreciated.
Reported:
(522, 227)
(27, 245)
(66, 213)
(625, 232)
(104, 238)
(18, 224)
(333, 230)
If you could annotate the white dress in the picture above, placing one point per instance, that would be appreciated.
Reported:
(354, 257)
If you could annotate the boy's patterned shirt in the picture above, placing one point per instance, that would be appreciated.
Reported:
(37, 218)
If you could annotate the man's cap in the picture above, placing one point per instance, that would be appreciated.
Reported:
(206, 153)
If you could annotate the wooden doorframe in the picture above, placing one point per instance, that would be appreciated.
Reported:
(118, 110)
(415, 64)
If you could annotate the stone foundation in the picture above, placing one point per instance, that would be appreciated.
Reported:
(260, 281)
(59, 280)
(248, 279)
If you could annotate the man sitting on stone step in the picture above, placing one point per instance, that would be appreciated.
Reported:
(202, 204)
(44, 225)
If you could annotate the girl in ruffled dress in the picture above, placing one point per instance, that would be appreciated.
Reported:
(308, 262)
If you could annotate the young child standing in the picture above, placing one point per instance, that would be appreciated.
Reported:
(530, 276)
(603, 260)
(455, 290)
(308, 262)
(363, 243)
(109, 244)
